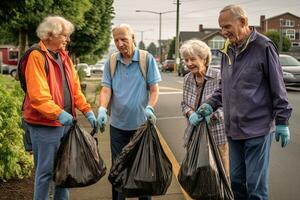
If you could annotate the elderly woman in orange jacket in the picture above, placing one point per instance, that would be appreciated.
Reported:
(51, 99)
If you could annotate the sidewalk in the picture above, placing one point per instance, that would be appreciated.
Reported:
(102, 189)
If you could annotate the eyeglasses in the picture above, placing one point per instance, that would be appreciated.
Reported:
(66, 36)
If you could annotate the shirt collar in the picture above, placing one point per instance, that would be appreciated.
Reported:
(135, 56)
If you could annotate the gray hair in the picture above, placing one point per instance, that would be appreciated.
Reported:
(128, 28)
(236, 10)
(196, 47)
(54, 25)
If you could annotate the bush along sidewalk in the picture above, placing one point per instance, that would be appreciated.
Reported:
(15, 162)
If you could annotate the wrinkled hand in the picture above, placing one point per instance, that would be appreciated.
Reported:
(65, 118)
(205, 110)
(149, 112)
(91, 118)
(102, 117)
(283, 133)
(195, 119)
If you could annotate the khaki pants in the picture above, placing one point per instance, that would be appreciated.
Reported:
(224, 153)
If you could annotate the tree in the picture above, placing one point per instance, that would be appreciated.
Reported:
(171, 52)
(142, 45)
(275, 37)
(152, 49)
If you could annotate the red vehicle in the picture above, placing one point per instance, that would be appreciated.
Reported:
(9, 59)
(168, 65)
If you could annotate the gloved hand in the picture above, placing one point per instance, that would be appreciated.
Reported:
(149, 112)
(65, 118)
(283, 133)
(102, 117)
(91, 118)
(205, 110)
(195, 119)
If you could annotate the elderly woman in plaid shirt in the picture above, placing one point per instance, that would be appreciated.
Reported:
(197, 57)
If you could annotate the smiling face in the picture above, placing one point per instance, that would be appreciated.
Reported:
(232, 27)
(124, 41)
(195, 64)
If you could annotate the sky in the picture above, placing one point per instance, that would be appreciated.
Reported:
(191, 14)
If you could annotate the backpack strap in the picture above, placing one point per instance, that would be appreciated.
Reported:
(143, 62)
(113, 64)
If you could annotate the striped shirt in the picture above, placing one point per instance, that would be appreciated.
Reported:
(191, 95)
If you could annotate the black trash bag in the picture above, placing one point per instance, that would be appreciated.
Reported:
(142, 168)
(201, 173)
(78, 162)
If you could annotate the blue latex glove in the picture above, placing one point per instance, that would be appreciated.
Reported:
(102, 117)
(204, 110)
(283, 133)
(149, 112)
(65, 118)
(195, 119)
(91, 118)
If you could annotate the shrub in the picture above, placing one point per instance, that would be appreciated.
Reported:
(15, 162)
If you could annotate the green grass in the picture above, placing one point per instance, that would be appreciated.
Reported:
(8, 81)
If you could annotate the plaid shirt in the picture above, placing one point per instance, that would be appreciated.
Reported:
(191, 95)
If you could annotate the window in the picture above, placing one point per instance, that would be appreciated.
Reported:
(290, 33)
(295, 44)
(288, 23)
(13, 55)
(216, 42)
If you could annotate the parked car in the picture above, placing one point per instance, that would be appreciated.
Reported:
(291, 70)
(99, 66)
(168, 65)
(85, 68)
(182, 69)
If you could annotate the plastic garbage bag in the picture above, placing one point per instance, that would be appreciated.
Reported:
(78, 162)
(142, 168)
(202, 174)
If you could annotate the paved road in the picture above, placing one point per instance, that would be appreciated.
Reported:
(285, 163)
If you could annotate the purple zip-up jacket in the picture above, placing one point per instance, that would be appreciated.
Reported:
(252, 90)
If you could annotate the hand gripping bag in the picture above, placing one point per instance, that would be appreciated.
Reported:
(78, 162)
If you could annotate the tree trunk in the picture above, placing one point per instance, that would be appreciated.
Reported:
(23, 41)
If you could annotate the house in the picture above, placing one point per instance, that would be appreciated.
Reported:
(211, 36)
(287, 23)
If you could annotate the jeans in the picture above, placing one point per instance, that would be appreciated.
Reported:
(45, 143)
(249, 167)
(118, 139)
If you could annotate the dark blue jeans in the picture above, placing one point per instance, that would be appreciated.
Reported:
(118, 139)
(249, 167)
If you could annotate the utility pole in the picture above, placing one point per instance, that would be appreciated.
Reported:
(280, 36)
(177, 38)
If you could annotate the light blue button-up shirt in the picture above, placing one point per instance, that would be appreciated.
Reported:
(129, 91)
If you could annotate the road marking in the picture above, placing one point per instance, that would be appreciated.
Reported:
(175, 165)
(169, 88)
(163, 93)
(166, 118)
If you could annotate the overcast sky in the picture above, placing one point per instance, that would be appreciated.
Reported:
(192, 13)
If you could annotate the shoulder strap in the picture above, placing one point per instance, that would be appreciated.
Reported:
(113, 63)
(143, 55)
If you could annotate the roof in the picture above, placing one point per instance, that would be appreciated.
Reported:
(187, 35)
(286, 13)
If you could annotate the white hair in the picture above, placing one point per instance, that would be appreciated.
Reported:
(54, 25)
(236, 10)
(195, 47)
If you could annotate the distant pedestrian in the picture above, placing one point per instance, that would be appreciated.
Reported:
(132, 98)
(197, 57)
(51, 98)
(254, 100)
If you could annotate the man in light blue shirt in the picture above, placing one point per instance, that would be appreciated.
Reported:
(132, 97)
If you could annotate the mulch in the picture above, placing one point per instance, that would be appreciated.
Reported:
(17, 189)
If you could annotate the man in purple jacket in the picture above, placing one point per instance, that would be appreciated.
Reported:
(254, 101)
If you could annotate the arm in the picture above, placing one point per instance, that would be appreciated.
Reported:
(154, 92)
(185, 108)
(105, 96)
(281, 108)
